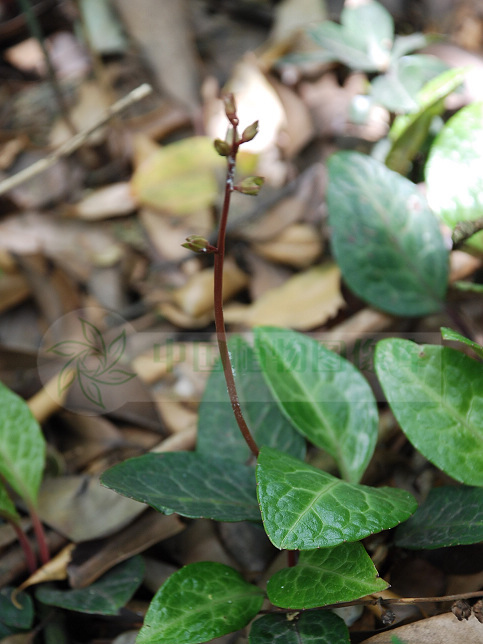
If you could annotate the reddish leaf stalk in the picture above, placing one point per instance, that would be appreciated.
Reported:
(26, 547)
(218, 294)
(40, 536)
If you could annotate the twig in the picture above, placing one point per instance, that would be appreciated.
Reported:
(218, 290)
(76, 141)
(464, 230)
(374, 601)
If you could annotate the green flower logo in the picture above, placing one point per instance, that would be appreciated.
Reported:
(92, 362)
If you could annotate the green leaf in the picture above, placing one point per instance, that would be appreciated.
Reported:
(454, 336)
(198, 603)
(22, 446)
(188, 483)
(364, 38)
(450, 516)
(325, 396)
(398, 88)
(7, 508)
(321, 627)
(408, 133)
(385, 239)
(12, 616)
(304, 508)
(325, 576)
(436, 394)
(104, 597)
(405, 44)
(216, 422)
(454, 179)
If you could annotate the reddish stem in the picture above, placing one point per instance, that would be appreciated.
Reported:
(40, 536)
(26, 547)
(218, 296)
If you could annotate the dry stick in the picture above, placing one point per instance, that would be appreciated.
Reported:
(398, 601)
(218, 295)
(76, 141)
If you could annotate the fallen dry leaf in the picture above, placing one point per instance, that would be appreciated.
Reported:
(55, 569)
(305, 301)
(196, 297)
(179, 178)
(298, 245)
(109, 201)
(441, 629)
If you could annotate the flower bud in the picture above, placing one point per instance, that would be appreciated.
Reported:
(198, 244)
(250, 132)
(222, 147)
(230, 105)
(250, 185)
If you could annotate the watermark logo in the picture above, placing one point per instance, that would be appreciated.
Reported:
(92, 372)
(92, 362)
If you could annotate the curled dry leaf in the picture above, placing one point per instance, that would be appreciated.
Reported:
(298, 245)
(196, 297)
(55, 569)
(305, 301)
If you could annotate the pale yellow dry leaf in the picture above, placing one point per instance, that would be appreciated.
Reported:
(441, 629)
(113, 200)
(195, 298)
(298, 245)
(305, 301)
(14, 288)
(180, 177)
(55, 569)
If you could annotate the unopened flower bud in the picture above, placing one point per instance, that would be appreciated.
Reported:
(250, 185)
(222, 147)
(250, 132)
(198, 244)
(230, 105)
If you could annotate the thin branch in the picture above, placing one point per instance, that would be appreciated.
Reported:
(76, 141)
(464, 230)
(218, 293)
(26, 547)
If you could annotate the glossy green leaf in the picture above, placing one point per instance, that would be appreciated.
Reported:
(12, 616)
(325, 396)
(104, 597)
(188, 483)
(22, 446)
(325, 576)
(408, 133)
(454, 336)
(450, 516)
(304, 508)
(321, 627)
(7, 508)
(385, 239)
(436, 394)
(454, 179)
(398, 88)
(198, 603)
(364, 38)
(216, 422)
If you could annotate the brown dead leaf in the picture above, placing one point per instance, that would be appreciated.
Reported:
(305, 301)
(81, 509)
(441, 629)
(14, 288)
(90, 561)
(287, 211)
(298, 245)
(196, 297)
(114, 200)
